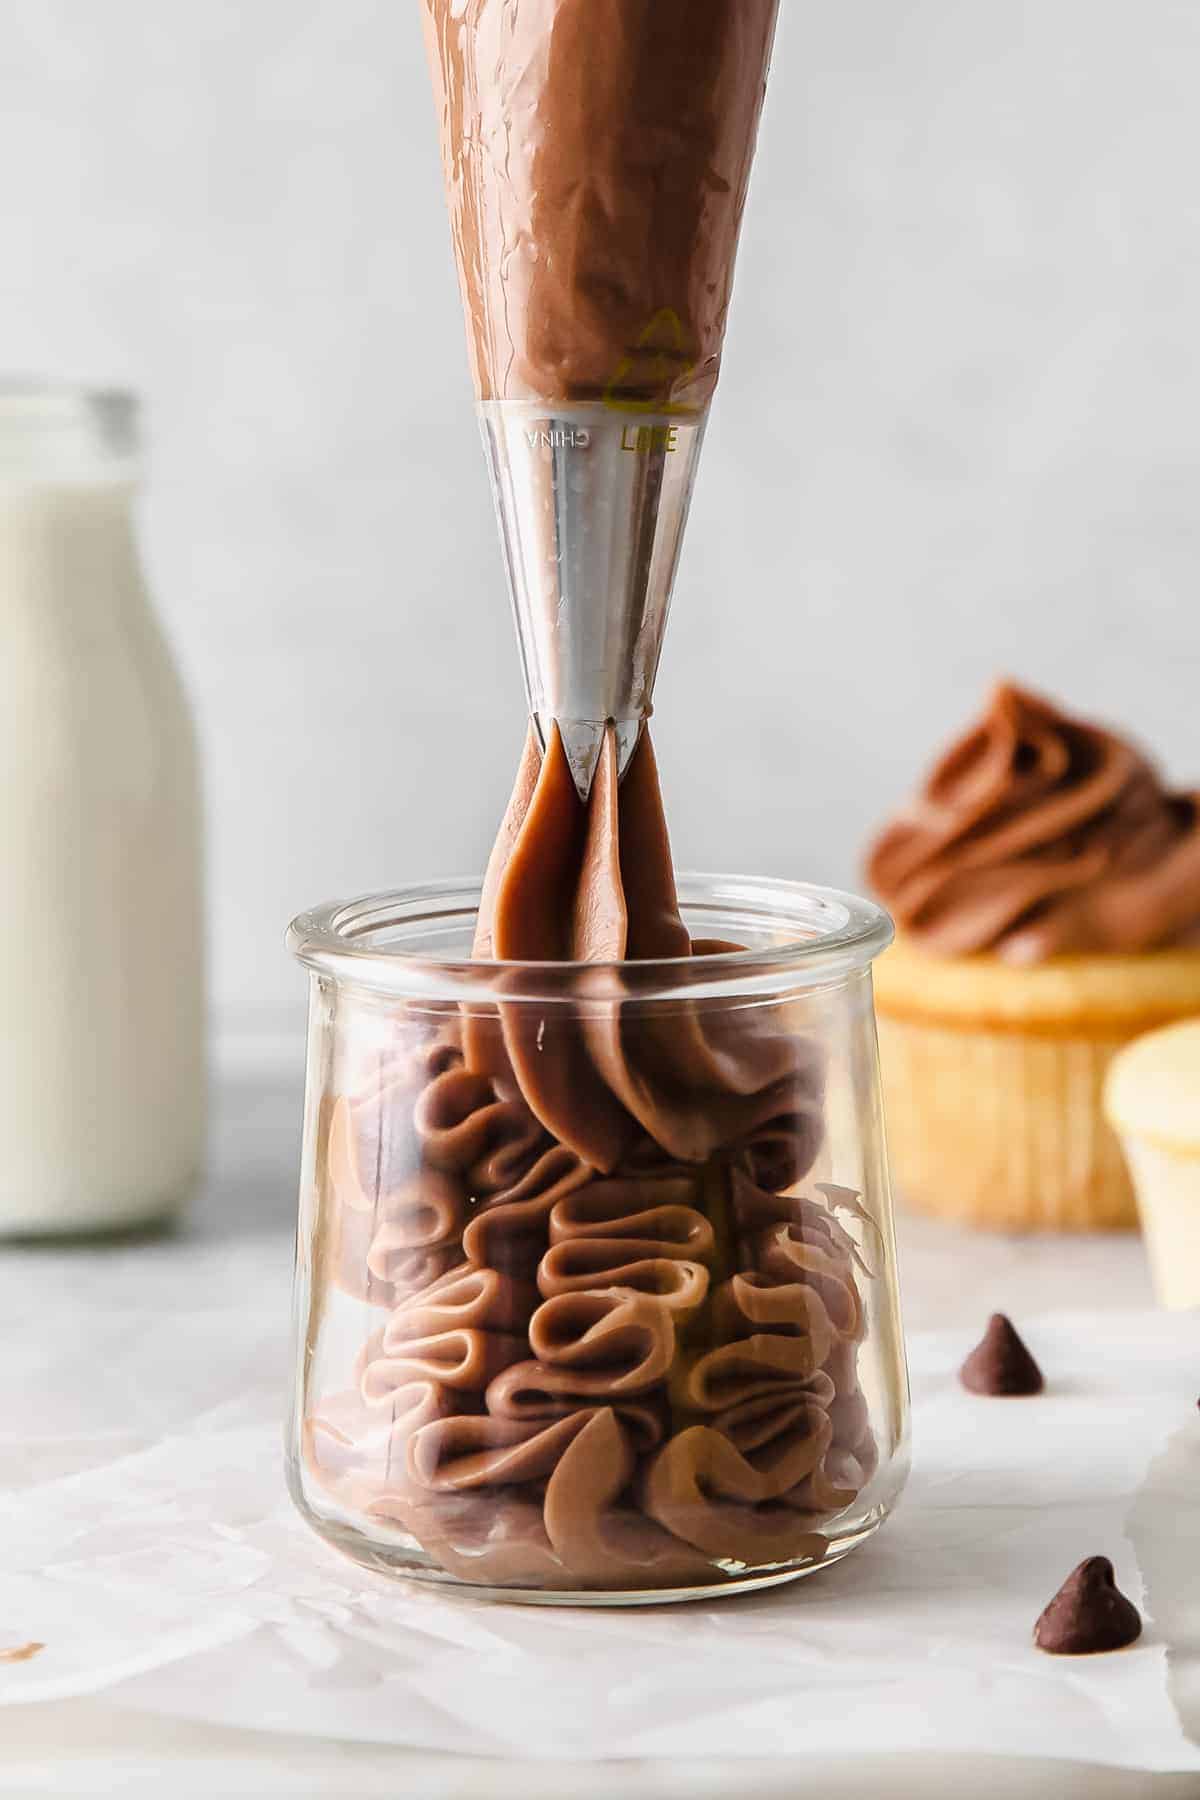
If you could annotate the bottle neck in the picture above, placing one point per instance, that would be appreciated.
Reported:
(68, 550)
(68, 467)
(58, 436)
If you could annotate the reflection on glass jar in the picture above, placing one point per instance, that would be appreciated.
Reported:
(596, 1285)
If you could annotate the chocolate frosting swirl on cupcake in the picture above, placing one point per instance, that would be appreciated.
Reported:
(1039, 835)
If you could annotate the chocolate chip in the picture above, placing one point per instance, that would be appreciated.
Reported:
(1089, 1613)
(1000, 1363)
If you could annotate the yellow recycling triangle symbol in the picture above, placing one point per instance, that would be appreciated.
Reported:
(657, 363)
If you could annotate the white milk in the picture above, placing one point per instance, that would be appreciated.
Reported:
(102, 1100)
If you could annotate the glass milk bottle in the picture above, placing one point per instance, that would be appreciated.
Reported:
(102, 1066)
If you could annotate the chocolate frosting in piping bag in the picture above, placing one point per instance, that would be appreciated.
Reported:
(616, 1345)
(1039, 835)
(597, 155)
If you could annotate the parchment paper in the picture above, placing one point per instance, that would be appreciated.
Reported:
(147, 1543)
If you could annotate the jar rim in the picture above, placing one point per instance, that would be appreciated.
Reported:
(819, 936)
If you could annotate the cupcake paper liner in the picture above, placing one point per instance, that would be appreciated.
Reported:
(1003, 1129)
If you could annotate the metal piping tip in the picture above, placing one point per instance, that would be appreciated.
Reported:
(592, 501)
(583, 740)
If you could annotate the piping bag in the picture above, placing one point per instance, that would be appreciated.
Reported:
(596, 155)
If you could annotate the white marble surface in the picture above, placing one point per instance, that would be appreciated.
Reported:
(95, 1746)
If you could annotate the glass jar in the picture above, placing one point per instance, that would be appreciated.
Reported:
(102, 1060)
(677, 1375)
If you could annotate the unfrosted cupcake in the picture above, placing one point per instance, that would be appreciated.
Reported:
(1046, 886)
(1153, 1102)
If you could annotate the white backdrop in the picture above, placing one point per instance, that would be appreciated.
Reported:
(958, 432)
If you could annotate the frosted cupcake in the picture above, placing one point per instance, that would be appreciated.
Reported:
(1046, 886)
(1153, 1102)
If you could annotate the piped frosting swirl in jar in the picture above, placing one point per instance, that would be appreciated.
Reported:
(618, 1342)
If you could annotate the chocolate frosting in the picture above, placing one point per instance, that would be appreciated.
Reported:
(593, 883)
(618, 1345)
(1088, 1614)
(1038, 835)
(597, 264)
